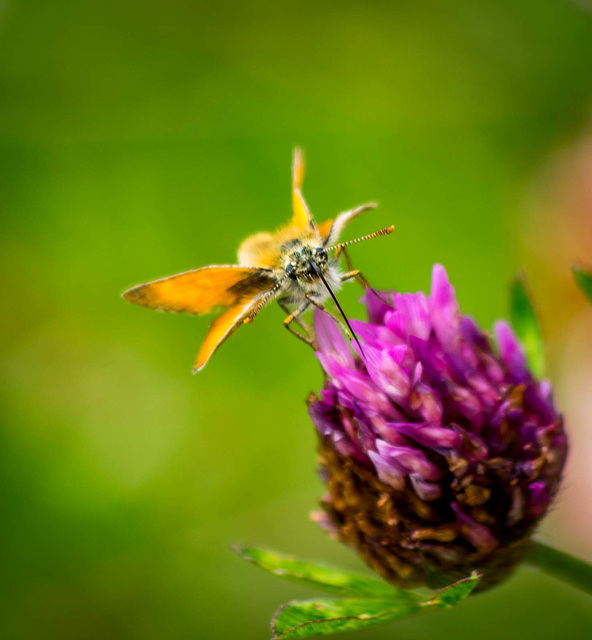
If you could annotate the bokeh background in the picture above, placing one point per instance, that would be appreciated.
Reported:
(142, 138)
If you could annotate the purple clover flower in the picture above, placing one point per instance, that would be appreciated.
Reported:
(440, 456)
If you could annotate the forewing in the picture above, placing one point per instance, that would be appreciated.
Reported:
(202, 290)
(330, 230)
(298, 167)
(221, 329)
(301, 218)
(324, 228)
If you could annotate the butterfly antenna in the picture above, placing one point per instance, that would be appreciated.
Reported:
(376, 234)
(320, 275)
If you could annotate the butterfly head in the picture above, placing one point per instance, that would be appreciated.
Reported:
(298, 258)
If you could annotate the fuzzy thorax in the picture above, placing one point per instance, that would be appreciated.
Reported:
(306, 265)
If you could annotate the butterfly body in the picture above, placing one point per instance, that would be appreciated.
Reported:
(292, 265)
(298, 277)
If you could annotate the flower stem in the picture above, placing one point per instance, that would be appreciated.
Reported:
(563, 566)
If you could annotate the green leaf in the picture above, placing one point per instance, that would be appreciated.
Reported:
(374, 601)
(302, 619)
(305, 618)
(583, 278)
(525, 322)
(454, 593)
(320, 577)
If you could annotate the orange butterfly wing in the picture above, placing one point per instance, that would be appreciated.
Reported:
(330, 230)
(202, 290)
(324, 228)
(221, 329)
(301, 218)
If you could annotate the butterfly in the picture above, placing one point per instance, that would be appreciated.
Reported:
(298, 265)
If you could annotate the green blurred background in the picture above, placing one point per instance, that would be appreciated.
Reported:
(142, 138)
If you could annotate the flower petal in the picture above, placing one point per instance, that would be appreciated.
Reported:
(331, 340)
(444, 311)
(384, 367)
(377, 304)
(427, 435)
(411, 459)
(411, 316)
(477, 534)
(389, 471)
(427, 491)
(510, 350)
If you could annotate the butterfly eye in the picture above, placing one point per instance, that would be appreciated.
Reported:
(291, 270)
(320, 254)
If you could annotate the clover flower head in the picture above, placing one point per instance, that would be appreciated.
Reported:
(440, 453)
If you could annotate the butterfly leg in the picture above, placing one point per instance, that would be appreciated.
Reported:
(350, 274)
(322, 307)
(294, 316)
(283, 302)
(356, 273)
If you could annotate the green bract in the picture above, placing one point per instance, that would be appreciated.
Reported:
(583, 279)
(372, 601)
(525, 323)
